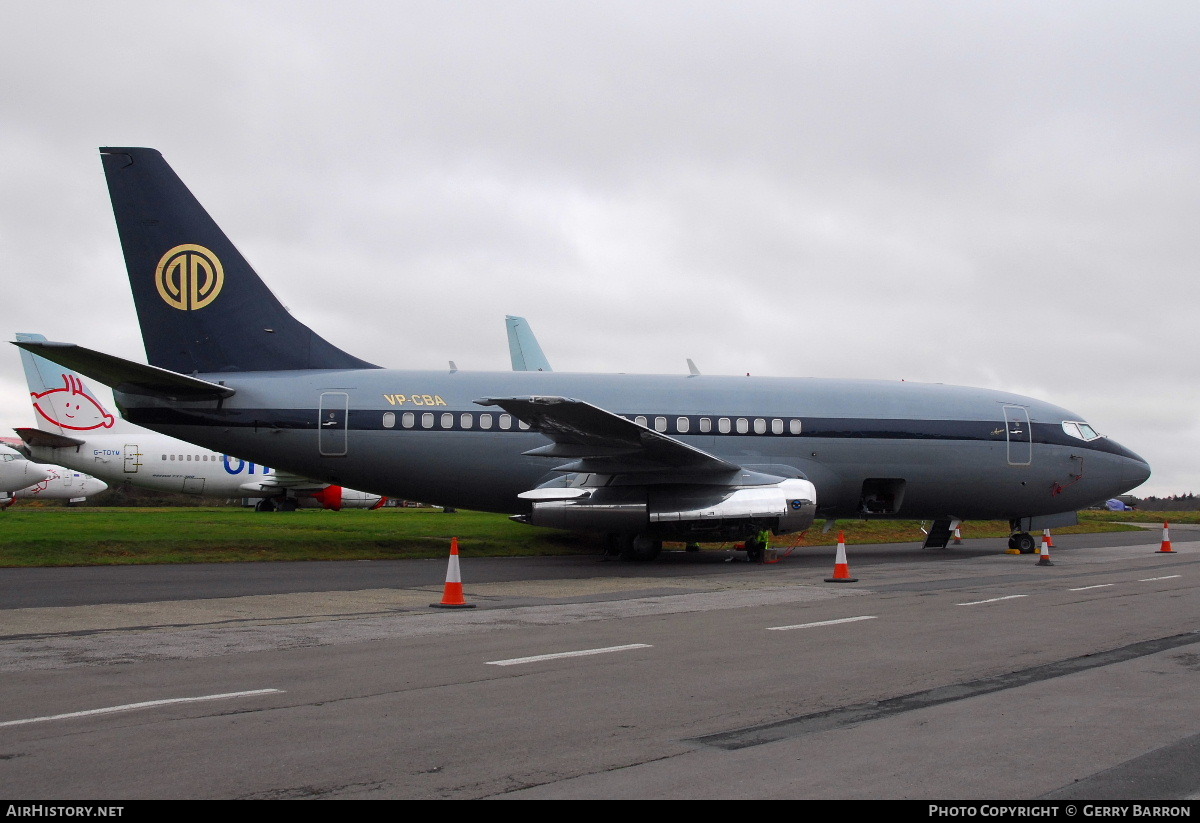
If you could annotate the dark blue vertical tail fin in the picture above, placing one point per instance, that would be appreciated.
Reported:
(201, 306)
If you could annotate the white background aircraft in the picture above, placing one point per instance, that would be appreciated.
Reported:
(21, 479)
(77, 429)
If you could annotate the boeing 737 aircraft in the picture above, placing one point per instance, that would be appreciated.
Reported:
(642, 458)
(39, 481)
(76, 430)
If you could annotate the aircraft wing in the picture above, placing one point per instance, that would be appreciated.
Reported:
(603, 442)
(284, 480)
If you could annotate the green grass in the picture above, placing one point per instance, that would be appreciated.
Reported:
(57, 536)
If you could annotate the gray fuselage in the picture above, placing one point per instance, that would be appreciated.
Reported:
(949, 451)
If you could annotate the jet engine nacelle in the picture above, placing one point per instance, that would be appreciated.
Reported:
(339, 497)
(683, 512)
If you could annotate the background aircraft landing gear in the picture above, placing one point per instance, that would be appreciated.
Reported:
(287, 504)
(1022, 542)
(265, 505)
(638, 547)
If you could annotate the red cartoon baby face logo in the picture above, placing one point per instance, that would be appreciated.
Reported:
(71, 407)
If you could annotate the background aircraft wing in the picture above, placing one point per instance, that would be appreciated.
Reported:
(603, 442)
(284, 480)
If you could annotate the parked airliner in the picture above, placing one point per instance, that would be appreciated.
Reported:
(76, 429)
(22, 479)
(641, 458)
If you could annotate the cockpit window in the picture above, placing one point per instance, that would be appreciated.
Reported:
(1079, 429)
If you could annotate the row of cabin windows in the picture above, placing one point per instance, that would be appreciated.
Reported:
(408, 420)
(683, 425)
(198, 457)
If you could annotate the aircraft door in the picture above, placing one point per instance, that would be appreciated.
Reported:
(133, 458)
(193, 485)
(1019, 435)
(333, 420)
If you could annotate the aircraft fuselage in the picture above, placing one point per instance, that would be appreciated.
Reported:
(874, 448)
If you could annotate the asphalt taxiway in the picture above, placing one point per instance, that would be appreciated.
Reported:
(962, 673)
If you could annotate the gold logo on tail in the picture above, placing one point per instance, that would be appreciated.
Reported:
(189, 277)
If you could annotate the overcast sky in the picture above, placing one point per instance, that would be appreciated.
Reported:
(996, 194)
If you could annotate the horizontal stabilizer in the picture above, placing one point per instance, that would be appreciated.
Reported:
(37, 437)
(125, 375)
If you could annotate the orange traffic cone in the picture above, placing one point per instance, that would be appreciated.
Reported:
(1044, 560)
(1048, 538)
(452, 598)
(1166, 544)
(957, 536)
(841, 569)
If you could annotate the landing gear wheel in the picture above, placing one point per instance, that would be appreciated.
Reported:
(265, 505)
(1022, 542)
(288, 504)
(639, 547)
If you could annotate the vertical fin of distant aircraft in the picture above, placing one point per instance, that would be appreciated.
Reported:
(63, 403)
(523, 347)
(201, 306)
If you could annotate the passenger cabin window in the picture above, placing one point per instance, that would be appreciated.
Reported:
(794, 426)
(705, 425)
(506, 421)
(723, 425)
(521, 424)
(389, 420)
(485, 421)
(466, 420)
(447, 420)
(776, 426)
(660, 424)
(408, 420)
(682, 425)
(743, 425)
(760, 426)
(640, 420)
(427, 420)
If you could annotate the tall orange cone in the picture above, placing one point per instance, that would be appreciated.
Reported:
(452, 597)
(1048, 538)
(1166, 544)
(841, 569)
(957, 536)
(1044, 560)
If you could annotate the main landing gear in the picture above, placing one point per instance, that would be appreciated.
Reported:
(282, 504)
(632, 547)
(1022, 542)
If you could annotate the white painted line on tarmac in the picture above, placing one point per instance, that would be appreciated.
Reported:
(1097, 586)
(149, 704)
(993, 600)
(1168, 577)
(821, 623)
(582, 653)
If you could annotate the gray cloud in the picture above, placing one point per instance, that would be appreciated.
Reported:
(998, 194)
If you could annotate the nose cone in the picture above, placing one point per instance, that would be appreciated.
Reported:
(35, 474)
(1133, 471)
(93, 486)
